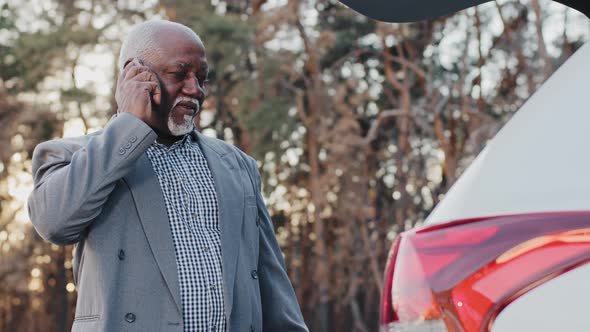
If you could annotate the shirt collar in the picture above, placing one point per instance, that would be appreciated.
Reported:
(181, 143)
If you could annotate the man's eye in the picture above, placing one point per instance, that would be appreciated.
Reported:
(203, 82)
(179, 74)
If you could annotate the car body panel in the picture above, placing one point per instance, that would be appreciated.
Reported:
(536, 162)
(557, 305)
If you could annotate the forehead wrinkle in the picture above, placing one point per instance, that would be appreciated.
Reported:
(201, 66)
(151, 56)
(179, 60)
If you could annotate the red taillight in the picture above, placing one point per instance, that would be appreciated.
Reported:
(387, 314)
(458, 276)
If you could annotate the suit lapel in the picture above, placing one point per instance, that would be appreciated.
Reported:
(229, 186)
(149, 200)
(148, 197)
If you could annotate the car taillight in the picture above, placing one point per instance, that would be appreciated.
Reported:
(458, 276)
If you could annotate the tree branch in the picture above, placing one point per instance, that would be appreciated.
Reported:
(384, 115)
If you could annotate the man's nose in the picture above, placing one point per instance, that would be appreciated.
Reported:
(192, 88)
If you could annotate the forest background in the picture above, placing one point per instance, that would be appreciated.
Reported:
(359, 127)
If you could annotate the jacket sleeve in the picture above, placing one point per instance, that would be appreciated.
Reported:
(72, 180)
(280, 309)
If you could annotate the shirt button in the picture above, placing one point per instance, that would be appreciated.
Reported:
(213, 328)
(121, 254)
(212, 286)
(195, 215)
(130, 317)
(205, 249)
(254, 274)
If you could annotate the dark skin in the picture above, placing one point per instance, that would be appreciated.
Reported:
(148, 87)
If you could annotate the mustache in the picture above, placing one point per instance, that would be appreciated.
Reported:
(188, 99)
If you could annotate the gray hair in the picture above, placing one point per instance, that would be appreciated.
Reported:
(142, 39)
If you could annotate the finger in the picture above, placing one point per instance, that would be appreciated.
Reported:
(145, 76)
(153, 90)
(157, 94)
(128, 65)
(128, 61)
(122, 74)
(134, 71)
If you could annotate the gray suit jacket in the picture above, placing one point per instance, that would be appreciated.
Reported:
(100, 192)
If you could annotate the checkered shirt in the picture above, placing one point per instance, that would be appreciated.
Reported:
(191, 204)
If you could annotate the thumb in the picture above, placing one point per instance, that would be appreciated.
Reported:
(156, 94)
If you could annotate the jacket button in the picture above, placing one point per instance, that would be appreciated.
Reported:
(121, 151)
(252, 329)
(257, 221)
(254, 274)
(121, 254)
(130, 317)
(127, 145)
(132, 139)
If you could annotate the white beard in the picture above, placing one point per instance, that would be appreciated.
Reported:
(179, 129)
(187, 125)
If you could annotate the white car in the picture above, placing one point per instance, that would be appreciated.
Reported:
(508, 247)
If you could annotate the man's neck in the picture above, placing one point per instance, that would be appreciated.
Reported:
(168, 140)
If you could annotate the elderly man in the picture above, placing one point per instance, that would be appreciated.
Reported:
(170, 228)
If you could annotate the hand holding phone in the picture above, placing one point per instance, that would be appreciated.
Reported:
(137, 89)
